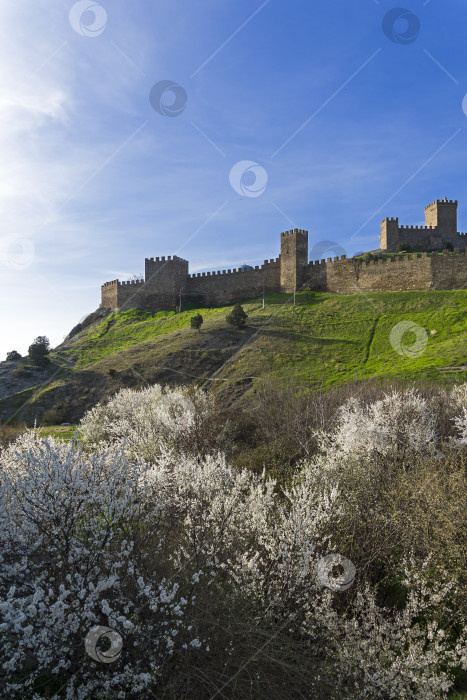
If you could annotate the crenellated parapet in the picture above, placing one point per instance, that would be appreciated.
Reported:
(442, 202)
(170, 258)
(237, 270)
(132, 283)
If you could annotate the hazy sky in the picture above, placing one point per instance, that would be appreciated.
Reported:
(350, 112)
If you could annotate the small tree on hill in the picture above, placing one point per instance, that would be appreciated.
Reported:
(39, 350)
(237, 317)
(196, 322)
(13, 356)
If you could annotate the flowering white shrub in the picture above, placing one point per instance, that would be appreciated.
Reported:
(461, 425)
(403, 654)
(71, 558)
(172, 553)
(397, 425)
(151, 418)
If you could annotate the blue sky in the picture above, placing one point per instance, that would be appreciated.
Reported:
(348, 124)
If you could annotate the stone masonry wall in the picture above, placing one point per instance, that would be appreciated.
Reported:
(403, 273)
(129, 294)
(224, 287)
(109, 292)
(119, 295)
(449, 270)
(342, 276)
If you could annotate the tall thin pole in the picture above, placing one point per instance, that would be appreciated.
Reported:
(263, 295)
(180, 307)
(294, 292)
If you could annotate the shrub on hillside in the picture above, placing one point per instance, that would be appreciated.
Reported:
(398, 424)
(301, 421)
(38, 351)
(210, 569)
(9, 433)
(224, 576)
(184, 418)
(54, 415)
(196, 322)
(237, 317)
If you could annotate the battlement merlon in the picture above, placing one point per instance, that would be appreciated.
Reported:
(294, 232)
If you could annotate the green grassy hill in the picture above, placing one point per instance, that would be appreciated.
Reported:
(325, 339)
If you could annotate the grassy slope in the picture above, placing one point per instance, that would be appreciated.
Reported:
(326, 339)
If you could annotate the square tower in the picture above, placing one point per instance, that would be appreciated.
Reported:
(165, 279)
(442, 214)
(389, 236)
(294, 259)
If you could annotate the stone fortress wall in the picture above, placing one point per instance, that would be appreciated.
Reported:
(166, 279)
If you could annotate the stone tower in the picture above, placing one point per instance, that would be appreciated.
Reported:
(164, 278)
(389, 237)
(294, 259)
(442, 214)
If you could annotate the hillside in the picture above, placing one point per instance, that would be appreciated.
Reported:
(326, 339)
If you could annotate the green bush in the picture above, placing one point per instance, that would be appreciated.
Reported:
(54, 415)
(38, 351)
(196, 322)
(237, 317)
